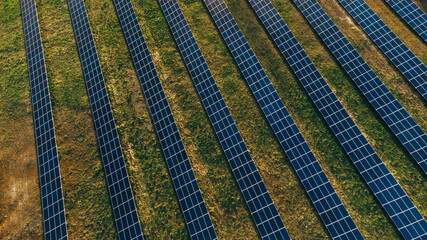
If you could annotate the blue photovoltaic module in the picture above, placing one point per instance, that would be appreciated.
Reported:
(390, 194)
(330, 208)
(412, 14)
(193, 206)
(52, 200)
(122, 200)
(258, 199)
(396, 51)
(392, 112)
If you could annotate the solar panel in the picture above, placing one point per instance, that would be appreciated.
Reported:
(54, 223)
(392, 112)
(390, 194)
(320, 190)
(258, 199)
(395, 50)
(412, 14)
(193, 206)
(122, 200)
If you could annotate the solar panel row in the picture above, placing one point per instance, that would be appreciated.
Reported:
(189, 195)
(412, 14)
(122, 200)
(395, 116)
(395, 50)
(320, 190)
(261, 206)
(54, 223)
(390, 194)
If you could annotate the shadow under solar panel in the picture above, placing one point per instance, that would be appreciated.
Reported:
(193, 206)
(258, 199)
(412, 14)
(122, 200)
(390, 194)
(395, 50)
(391, 111)
(330, 208)
(52, 200)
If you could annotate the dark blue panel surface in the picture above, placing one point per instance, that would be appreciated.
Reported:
(392, 112)
(391, 45)
(190, 198)
(320, 190)
(122, 200)
(260, 204)
(390, 194)
(412, 14)
(52, 200)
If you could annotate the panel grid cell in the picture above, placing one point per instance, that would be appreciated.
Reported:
(390, 194)
(325, 199)
(412, 14)
(54, 222)
(261, 206)
(387, 106)
(122, 200)
(199, 223)
(395, 50)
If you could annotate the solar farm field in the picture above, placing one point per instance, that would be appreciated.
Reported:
(89, 214)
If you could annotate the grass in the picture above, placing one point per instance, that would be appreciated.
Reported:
(20, 212)
(88, 210)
